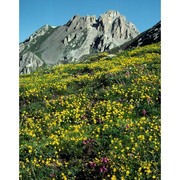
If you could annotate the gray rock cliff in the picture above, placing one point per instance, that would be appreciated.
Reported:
(150, 36)
(79, 36)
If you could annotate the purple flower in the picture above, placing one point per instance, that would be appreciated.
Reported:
(104, 160)
(103, 169)
(85, 141)
(88, 141)
(148, 100)
(127, 127)
(144, 112)
(84, 117)
(92, 164)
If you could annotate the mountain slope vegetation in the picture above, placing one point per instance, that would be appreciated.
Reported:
(94, 120)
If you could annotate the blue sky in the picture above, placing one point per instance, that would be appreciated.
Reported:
(33, 14)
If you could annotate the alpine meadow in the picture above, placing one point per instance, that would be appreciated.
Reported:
(96, 119)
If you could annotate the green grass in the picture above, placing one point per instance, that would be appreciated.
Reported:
(97, 120)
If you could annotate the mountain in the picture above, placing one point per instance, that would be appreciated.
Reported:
(78, 37)
(150, 36)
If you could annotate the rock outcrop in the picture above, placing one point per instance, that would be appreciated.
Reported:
(150, 36)
(29, 62)
(79, 36)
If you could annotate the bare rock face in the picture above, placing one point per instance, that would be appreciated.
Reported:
(115, 30)
(150, 36)
(79, 36)
(29, 62)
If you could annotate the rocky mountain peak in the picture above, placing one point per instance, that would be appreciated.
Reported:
(40, 32)
(111, 14)
(74, 19)
(78, 37)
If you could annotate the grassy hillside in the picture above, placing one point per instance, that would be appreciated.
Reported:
(97, 120)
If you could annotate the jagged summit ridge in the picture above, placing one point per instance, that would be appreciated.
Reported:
(78, 37)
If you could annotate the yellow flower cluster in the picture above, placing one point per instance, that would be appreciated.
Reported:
(97, 120)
